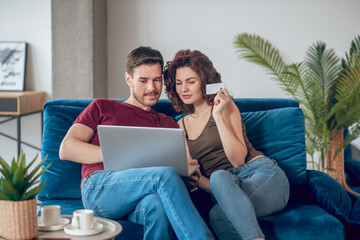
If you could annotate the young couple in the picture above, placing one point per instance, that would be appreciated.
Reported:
(244, 183)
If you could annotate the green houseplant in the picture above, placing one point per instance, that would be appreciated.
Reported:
(327, 89)
(18, 218)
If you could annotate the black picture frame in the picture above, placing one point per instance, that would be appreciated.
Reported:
(12, 66)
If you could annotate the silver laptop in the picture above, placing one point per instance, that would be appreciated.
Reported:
(138, 147)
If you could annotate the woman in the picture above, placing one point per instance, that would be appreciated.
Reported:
(244, 182)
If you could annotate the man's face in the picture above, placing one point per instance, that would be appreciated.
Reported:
(145, 85)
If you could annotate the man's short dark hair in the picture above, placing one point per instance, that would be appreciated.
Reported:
(143, 55)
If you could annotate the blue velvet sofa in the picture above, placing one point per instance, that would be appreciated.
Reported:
(274, 126)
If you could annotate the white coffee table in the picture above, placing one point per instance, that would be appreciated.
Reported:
(111, 230)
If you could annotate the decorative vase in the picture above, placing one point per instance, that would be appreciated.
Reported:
(18, 219)
(335, 165)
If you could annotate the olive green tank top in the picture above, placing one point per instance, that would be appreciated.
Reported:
(209, 151)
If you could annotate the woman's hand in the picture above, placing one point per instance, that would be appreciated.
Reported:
(194, 178)
(197, 180)
(222, 103)
(229, 125)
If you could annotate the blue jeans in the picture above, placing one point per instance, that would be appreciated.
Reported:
(154, 197)
(243, 194)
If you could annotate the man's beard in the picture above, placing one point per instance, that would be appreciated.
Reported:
(141, 99)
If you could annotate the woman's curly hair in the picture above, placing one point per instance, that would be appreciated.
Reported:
(201, 65)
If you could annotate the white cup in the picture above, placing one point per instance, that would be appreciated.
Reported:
(50, 215)
(83, 220)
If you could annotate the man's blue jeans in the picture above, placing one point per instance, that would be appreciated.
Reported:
(154, 197)
(256, 189)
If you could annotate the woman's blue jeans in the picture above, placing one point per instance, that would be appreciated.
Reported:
(153, 197)
(243, 194)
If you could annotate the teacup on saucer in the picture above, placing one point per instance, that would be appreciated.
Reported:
(71, 230)
(55, 227)
(83, 223)
(50, 215)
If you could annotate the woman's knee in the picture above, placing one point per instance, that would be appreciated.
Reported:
(220, 178)
(272, 196)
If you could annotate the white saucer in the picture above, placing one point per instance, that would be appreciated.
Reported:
(57, 227)
(69, 229)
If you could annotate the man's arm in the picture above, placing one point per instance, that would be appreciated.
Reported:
(76, 147)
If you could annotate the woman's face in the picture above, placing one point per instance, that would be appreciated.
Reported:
(188, 85)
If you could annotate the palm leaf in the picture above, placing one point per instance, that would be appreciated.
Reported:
(323, 66)
(349, 79)
(255, 49)
(303, 91)
(311, 102)
(312, 143)
(349, 113)
(347, 91)
(354, 51)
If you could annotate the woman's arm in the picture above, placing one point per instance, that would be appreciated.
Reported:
(76, 147)
(189, 158)
(228, 121)
(197, 178)
(204, 183)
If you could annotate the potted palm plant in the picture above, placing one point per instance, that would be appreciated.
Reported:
(18, 218)
(327, 89)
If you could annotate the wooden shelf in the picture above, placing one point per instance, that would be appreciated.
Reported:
(19, 103)
(14, 105)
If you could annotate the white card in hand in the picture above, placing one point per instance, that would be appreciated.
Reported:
(214, 88)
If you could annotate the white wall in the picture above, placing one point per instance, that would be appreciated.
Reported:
(210, 26)
(206, 25)
(29, 21)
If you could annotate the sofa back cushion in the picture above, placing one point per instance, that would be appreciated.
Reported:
(63, 177)
(280, 135)
(274, 126)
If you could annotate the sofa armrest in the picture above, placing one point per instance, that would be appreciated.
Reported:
(333, 198)
(352, 168)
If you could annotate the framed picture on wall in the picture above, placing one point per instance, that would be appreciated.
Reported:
(12, 66)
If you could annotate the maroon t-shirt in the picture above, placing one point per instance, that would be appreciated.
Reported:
(112, 112)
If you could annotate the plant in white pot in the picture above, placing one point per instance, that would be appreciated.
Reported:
(18, 215)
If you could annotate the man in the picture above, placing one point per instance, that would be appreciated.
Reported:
(154, 197)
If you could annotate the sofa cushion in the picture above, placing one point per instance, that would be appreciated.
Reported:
(352, 167)
(264, 104)
(63, 177)
(302, 221)
(280, 135)
(332, 197)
